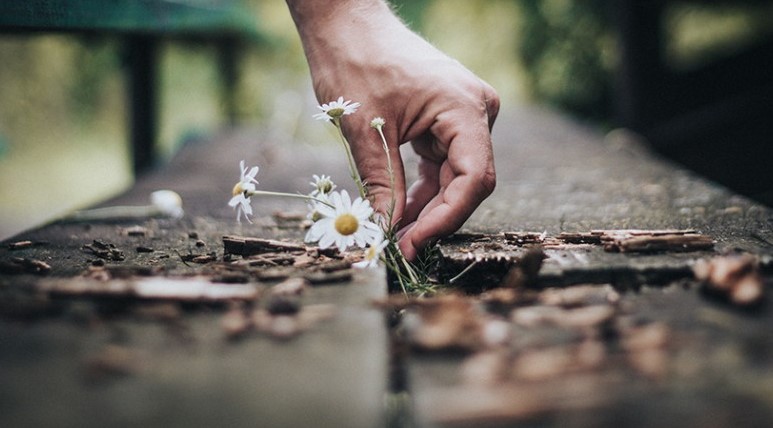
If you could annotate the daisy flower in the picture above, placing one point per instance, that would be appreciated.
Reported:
(242, 205)
(242, 191)
(373, 253)
(320, 199)
(377, 122)
(336, 109)
(167, 202)
(322, 185)
(344, 224)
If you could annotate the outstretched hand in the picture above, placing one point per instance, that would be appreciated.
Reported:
(359, 50)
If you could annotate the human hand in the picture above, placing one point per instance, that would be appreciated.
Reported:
(361, 51)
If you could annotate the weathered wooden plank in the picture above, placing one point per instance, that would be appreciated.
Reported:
(133, 324)
(186, 372)
(665, 356)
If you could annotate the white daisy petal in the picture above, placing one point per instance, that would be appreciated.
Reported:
(242, 190)
(345, 224)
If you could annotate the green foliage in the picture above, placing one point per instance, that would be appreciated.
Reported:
(411, 11)
(568, 54)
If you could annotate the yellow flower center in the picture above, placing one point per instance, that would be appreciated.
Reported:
(346, 224)
(335, 112)
(237, 189)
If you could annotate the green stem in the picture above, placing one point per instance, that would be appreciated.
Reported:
(289, 195)
(349, 157)
(391, 172)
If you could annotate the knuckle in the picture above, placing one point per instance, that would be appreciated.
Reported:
(487, 180)
(492, 102)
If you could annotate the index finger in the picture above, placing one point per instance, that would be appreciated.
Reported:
(467, 177)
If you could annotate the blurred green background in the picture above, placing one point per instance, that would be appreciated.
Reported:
(63, 114)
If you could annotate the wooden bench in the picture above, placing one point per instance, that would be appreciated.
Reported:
(143, 25)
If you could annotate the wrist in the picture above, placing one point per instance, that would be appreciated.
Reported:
(327, 26)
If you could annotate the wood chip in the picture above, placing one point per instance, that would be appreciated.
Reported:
(19, 245)
(246, 246)
(576, 318)
(135, 231)
(290, 287)
(19, 265)
(580, 238)
(446, 322)
(579, 295)
(549, 363)
(236, 323)
(645, 241)
(192, 289)
(104, 250)
(735, 278)
(523, 238)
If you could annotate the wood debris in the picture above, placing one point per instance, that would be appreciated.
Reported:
(579, 238)
(246, 246)
(189, 289)
(235, 322)
(525, 270)
(445, 323)
(277, 324)
(20, 265)
(647, 241)
(735, 278)
(104, 250)
(525, 238)
(290, 287)
(579, 295)
(136, 231)
(646, 348)
(19, 245)
(549, 363)
(584, 317)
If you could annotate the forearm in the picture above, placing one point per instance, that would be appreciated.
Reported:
(316, 17)
(329, 26)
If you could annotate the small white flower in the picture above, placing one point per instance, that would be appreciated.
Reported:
(373, 253)
(344, 224)
(336, 109)
(242, 205)
(322, 185)
(377, 122)
(320, 199)
(168, 203)
(242, 191)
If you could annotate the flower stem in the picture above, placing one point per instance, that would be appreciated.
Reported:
(464, 271)
(390, 171)
(290, 195)
(349, 157)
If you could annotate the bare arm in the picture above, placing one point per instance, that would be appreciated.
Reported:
(360, 50)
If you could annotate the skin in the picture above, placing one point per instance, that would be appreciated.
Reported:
(360, 50)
